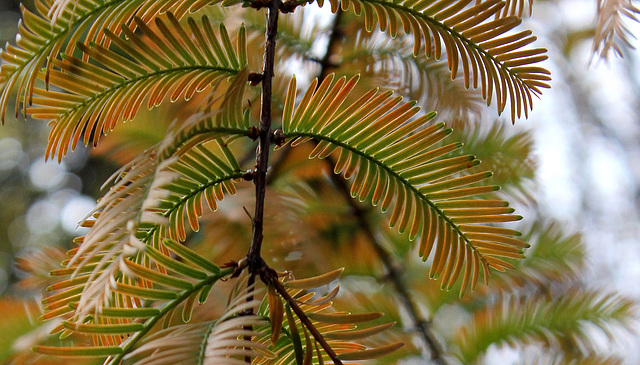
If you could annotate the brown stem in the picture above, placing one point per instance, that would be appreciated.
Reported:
(264, 141)
(254, 258)
(277, 164)
(393, 273)
(334, 37)
(305, 321)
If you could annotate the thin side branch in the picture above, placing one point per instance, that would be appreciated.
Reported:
(393, 273)
(334, 37)
(305, 320)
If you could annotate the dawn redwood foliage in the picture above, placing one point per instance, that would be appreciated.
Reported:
(131, 289)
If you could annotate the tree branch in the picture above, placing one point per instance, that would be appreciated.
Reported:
(334, 37)
(254, 257)
(393, 273)
(421, 324)
(305, 320)
(264, 140)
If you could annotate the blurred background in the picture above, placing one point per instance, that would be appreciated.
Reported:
(584, 139)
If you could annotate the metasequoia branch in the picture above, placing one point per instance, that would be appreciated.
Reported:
(264, 140)
(421, 324)
(393, 273)
(254, 257)
(305, 320)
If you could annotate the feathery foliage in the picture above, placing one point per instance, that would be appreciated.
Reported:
(610, 27)
(58, 25)
(508, 155)
(391, 63)
(474, 38)
(127, 293)
(147, 204)
(377, 146)
(162, 63)
(289, 337)
(211, 342)
(559, 324)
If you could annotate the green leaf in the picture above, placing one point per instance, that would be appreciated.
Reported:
(157, 277)
(130, 312)
(174, 265)
(78, 351)
(295, 335)
(109, 329)
(192, 256)
(152, 294)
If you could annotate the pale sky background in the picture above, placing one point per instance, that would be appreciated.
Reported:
(587, 180)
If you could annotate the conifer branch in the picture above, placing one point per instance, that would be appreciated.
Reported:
(254, 257)
(325, 66)
(264, 139)
(422, 325)
(305, 320)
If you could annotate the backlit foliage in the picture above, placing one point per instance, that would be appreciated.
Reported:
(380, 149)
(611, 31)
(474, 38)
(163, 276)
